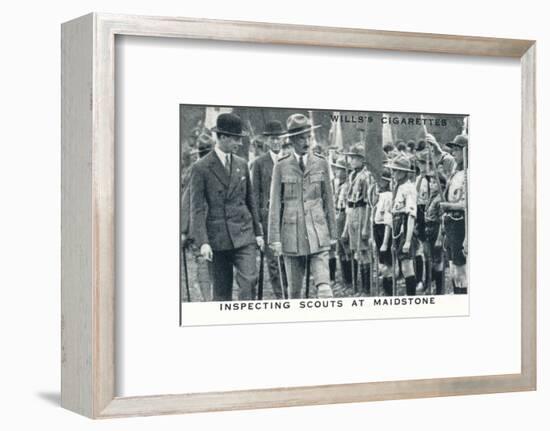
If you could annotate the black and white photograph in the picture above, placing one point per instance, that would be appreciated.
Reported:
(296, 214)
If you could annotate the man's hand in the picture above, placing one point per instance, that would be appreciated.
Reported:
(406, 247)
(260, 242)
(206, 252)
(333, 242)
(277, 248)
(384, 248)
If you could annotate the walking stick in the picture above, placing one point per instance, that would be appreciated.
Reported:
(394, 261)
(442, 198)
(261, 277)
(285, 293)
(186, 275)
(307, 276)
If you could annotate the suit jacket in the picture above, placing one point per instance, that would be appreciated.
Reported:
(223, 212)
(261, 172)
(301, 211)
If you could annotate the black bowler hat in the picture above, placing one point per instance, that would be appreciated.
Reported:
(229, 124)
(274, 128)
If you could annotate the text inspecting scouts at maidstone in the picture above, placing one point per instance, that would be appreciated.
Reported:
(301, 213)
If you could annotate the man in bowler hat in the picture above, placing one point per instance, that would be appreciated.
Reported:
(302, 223)
(224, 219)
(261, 172)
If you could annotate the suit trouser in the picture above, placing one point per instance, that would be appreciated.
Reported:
(296, 268)
(244, 261)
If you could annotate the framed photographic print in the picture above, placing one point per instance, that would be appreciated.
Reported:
(247, 206)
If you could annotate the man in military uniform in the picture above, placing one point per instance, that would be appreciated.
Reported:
(224, 219)
(454, 218)
(358, 215)
(261, 172)
(404, 214)
(301, 213)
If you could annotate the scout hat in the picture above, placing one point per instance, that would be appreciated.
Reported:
(400, 163)
(229, 124)
(273, 128)
(341, 163)
(298, 124)
(460, 141)
(356, 150)
(386, 174)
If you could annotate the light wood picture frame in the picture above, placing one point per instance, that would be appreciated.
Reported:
(88, 214)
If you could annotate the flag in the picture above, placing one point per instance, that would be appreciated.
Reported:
(376, 135)
(335, 134)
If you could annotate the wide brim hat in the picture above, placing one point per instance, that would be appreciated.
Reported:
(460, 141)
(229, 124)
(400, 163)
(356, 150)
(340, 163)
(298, 124)
(274, 128)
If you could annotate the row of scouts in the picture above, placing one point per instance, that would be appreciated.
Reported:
(296, 208)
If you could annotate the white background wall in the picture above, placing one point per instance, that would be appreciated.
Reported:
(29, 220)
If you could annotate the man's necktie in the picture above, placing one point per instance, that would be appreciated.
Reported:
(301, 163)
(228, 164)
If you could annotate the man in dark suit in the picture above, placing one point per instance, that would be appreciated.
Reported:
(224, 219)
(261, 171)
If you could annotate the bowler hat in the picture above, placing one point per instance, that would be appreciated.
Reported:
(356, 150)
(400, 163)
(298, 124)
(273, 128)
(459, 141)
(229, 124)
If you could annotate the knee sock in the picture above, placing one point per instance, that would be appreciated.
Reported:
(387, 285)
(438, 277)
(419, 266)
(332, 268)
(346, 271)
(410, 283)
(365, 276)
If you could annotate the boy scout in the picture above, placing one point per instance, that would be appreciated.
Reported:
(454, 219)
(422, 195)
(301, 212)
(261, 172)
(382, 230)
(434, 234)
(358, 214)
(224, 220)
(340, 169)
(404, 215)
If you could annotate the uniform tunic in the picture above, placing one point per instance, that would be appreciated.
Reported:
(454, 219)
(358, 211)
(382, 218)
(301, 211)
(404, 205)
